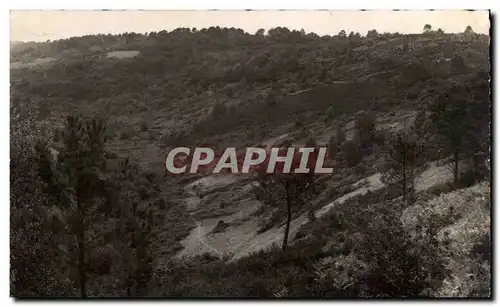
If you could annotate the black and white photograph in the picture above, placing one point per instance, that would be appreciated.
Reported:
(260, 154)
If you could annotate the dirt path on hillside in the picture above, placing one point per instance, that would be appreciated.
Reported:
(241, 238)
(199, 236)
(202, 239)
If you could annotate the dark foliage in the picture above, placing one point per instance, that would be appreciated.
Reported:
(88, 221)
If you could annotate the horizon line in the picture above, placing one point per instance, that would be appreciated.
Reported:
(246, 32)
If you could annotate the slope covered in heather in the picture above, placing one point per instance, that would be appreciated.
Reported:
(386, 105)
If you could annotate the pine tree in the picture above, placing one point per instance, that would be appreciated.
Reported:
(404, 154)
(365, 129)
(351, 152)
(141, 216)
(340, 135)
(289, 190)
(332, 147)
(406, 43)
(76, 181)
(35, 269)
(454, 115)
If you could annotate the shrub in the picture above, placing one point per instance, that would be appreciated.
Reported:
(126, 134)
(399, 264)
(365, 129)
(482, 249)
(340, 135)
(144, 126)
(441, 188)
(302, 133)
(152, 135)
(360, 169)
(467, 178)
(219, 109)
(352, 153)
(332, 147)
(298, 124)
(330, 113)
(57, 136)
(270, 100)
(381, 137)
(310, 215)
(177, 138)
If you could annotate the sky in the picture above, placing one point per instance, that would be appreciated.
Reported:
(51, 25)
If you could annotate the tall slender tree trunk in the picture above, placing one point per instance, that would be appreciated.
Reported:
(412, 179)
(81, 253)
(455, 169)
(405, 161)
(404, 178)
(404, 183)
(289, 215)
(412, 173)
(129, 285)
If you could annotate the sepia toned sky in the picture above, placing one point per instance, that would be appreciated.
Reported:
(44, 25)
